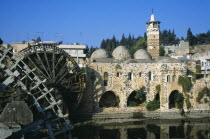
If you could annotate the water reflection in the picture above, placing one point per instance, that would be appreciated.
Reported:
(151, 130)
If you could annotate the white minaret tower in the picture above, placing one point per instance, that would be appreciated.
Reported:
(153, 31)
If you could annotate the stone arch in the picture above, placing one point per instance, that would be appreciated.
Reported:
(171, 102)
(109, 99)
(132, 101)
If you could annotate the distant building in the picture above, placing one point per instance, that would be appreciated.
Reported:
(78, 52)
(180, 51)
(204, 59)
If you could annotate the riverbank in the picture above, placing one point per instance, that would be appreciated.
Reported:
(136, 116)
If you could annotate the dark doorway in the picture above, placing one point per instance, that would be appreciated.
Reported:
(133, 101)
(108, 99)
(172, 98)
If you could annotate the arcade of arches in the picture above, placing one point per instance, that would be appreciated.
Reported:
(109, 99)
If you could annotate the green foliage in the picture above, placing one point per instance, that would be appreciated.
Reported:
(153, 105)
(158, 88)
(206, 100)
(132, 104)
(202, 93)
(141, 43)
(187, 101)
(1, 41)
(198, 68)
(185, 83)
(141, 94)
(110, 44)
(117, 101)
(179, 98)
(162, 51)
(168, 37)
(201, 38)
(90, 51)
(38, 39)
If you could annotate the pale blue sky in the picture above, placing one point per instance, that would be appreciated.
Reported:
(90, 21)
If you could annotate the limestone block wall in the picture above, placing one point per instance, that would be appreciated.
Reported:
(197, 87)
(124, 78)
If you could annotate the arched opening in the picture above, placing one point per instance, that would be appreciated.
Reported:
(172, 97)
(176, 100)
(109, 99)
(105, 78)
(135, 99)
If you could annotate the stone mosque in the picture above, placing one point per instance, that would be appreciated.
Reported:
(117, 78)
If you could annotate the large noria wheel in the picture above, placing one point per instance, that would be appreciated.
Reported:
(49, 80)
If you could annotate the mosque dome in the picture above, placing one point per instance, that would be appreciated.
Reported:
(121, 53)
(99, 53)
(142, 54)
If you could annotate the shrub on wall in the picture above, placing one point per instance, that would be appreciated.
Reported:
(187, 101)
(185, 83)
(141, 94)
(133, 104)
(153, 105)
(206, 100)
(116, 102)
(179, 98)
(202, 93)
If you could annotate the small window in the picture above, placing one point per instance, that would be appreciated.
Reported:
(118, 74)
(150, 75)
(168, 78)
(139, 74)
(105, 78)
(130, 76)
(174, 78)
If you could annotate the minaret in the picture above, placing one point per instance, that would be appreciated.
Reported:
(153, 31)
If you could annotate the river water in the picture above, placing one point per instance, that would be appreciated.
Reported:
(154, 129)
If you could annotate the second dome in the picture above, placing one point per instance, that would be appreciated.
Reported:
(121, 53)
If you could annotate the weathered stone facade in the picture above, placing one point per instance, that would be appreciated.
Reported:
(120, 77)
(125, 77)
(122, 86)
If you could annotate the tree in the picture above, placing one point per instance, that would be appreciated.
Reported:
(123, 40)
(103, 44)
(190, 37)
(162, 51)
(1, 41)
(140, 44)
(92, 49)
(38, 39)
